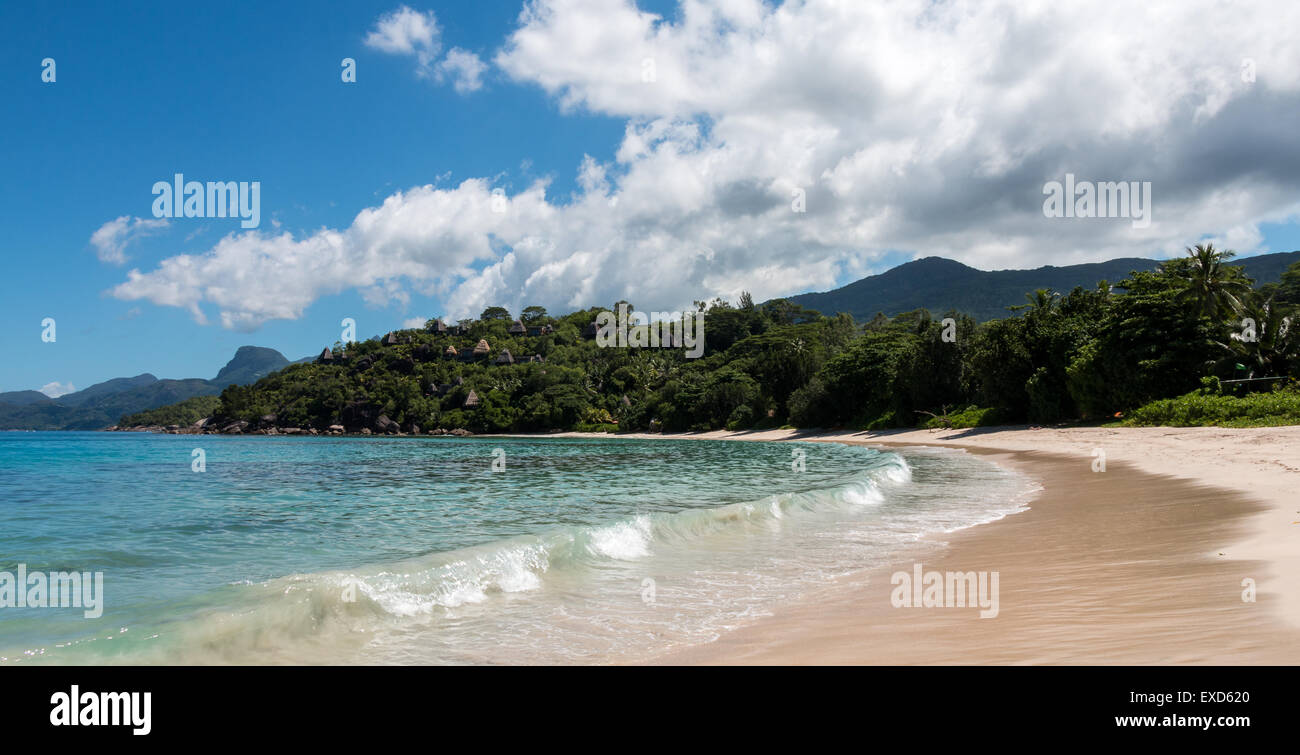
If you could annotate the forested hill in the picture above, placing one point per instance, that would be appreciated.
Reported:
(1090, 352)
(939, 284)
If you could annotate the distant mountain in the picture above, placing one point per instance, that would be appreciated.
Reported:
(250, 364)
(107, 388)
(103, 404)
(22, 398)
(939, 285)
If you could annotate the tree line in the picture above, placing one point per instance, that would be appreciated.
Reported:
(1195, 326)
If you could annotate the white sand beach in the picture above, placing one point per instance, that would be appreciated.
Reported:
(1143, 563)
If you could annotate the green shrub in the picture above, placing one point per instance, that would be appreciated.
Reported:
(971, 416)
(1279, 407)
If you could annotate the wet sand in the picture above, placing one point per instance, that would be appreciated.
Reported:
(1120, 567)
(1142, 563)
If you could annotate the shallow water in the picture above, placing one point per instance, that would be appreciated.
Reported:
(413, 550)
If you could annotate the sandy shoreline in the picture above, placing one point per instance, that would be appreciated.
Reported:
(1140, 564)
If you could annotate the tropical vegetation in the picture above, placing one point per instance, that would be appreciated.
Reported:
(1194, 341)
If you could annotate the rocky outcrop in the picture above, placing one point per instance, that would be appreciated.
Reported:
(381, 425)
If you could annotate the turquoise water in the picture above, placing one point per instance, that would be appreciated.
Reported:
(413, 550)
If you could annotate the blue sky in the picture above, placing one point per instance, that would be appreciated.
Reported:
(253, 92)
(246, 95)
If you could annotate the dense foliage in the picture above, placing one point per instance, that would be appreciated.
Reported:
(1091, 353)
(186, 412)
(1210, 406)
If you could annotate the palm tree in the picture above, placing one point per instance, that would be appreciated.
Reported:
(1271, 348)
(1217, 290)
(1041, 300)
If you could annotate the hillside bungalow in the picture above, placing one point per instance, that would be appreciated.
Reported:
(391, 340)
(326, 357)
(540, 330)
(505, 357)
(481, 349)
(438, 328)
(471, 401)
(450, 352)
(517, 328)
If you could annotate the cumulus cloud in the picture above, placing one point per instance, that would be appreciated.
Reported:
(463, 68)
(912, 126)
(112, 238)
(408, 32)
(56, 389)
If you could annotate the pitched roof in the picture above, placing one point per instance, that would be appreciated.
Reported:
(505, 357)
(481, 347)
(471, 400)
(518, 327)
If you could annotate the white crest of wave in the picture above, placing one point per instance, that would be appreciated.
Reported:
(623, 541)
(467, 580)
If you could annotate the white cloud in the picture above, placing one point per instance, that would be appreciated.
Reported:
(909, 126)
(408, 32)
(112, 238)
(463, 68)
(56, 389)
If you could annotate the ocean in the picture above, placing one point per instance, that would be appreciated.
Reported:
(479, 550)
